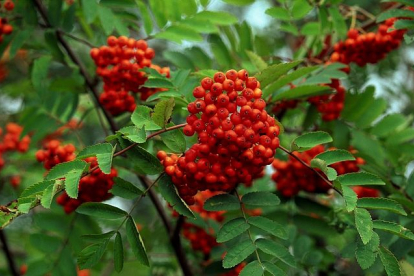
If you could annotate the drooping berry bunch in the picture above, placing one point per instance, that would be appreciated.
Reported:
(11, 141)
(291, 176)
(54, 153)
(199, 238)
(236, 136)
(5, 28)
(92, 188)
(119, 65)
(368, 48)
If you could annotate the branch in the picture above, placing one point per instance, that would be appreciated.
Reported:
(174, 233)
(9, 255)
(309, 167)
(77, 61)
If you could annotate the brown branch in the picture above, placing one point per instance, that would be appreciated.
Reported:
(8, 254)
(89, 81)
(309, 167)
(174, 233)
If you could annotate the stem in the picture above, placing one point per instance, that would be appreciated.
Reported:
(77, 61)
(309, 167)
(174, 237)
(9, 255)
(87, 43)
(248, 230)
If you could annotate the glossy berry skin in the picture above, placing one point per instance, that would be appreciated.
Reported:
(119, 64)
(228, 120)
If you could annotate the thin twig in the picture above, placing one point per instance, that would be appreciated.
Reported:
(87, 43)
(77, 61)
(9, 255)
(309, 167)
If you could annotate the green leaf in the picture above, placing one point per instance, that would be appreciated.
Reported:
(303, 91)
(310, 28)
(284, 80)
(252, 269)
(101, 210)
(90, 10)
(178, 33)
(364, 224)
(54, 12)
(378, 203)
(395, 13)
(232, 229)
(300, 8)
(389, 261)
(238, 253)
(388, 125)
(406, 268)
(154, 82)
(163, 111)
(48, 195)
(277, 250)
(18, 41)
(107, 18)
(136, 243)
(97, 238)
(278, 13)
(335, 156)
(103, 152)
(394, 228)
(174, 140)
(118, 253)
(350, 198)
(404, 24)
(72, 179)
(217, 17)
(239, 2)
(321, 164)
(338, 21)
(220, 51)
(269, 226)
(60, 170)
(310, 140)
(125, 189)
(275, 71)
(170, 194)
(134, 134)
(273, 269)
(222, 202)
(36, 188)
(360, 179)
(260, 199)
(257, 61)
(92, 254)
(39, 75)
(366, 254)
(146, 16)
(147, 162)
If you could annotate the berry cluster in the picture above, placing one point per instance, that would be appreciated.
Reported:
(292, 177)
(330, 106)
(236, 136)
(92, 188)
(54, 153)
(367, 48)
(10, 141)
(365, 192)
(199, 238)
(119, 64)
(5, 28)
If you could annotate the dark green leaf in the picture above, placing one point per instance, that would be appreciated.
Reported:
(101, 210)
(394, 228)
(135, 241)
(269, 226)
(92, 254)
(304, 91)
(273, 72)
(360, 178)
(310, 140)
(125, 189)
(232, 229)
(252, 269)
(389, 261)
(174, 140)
(367, 254)
(275, 249)
(169, 192)
(382, 204)
(238, 253)
(222, 202)
(335, 156)
(260, 199)
(163, 111)
(118, 253)
(364, 224)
